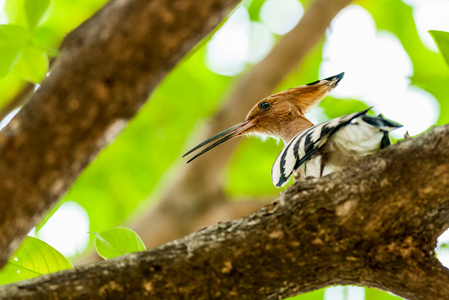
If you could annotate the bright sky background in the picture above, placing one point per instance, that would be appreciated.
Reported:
(67, 230)
(3, 17)
(377, 71)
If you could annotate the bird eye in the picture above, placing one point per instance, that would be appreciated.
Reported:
(264, 105)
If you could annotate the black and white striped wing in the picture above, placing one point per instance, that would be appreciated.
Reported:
(304, 145)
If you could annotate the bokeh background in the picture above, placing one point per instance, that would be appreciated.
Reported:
(383, 46)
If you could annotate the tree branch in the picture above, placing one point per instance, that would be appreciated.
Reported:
(375, 224)
(415, 278)
(166, 226)
(105, 72)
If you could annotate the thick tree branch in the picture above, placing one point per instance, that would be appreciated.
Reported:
(423, 278)
(375, 224)
(167, 226)
(105, 72)
(189, 199)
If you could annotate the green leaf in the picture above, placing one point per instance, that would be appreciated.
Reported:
(21, 55)
(117, 241)
(52, 52)
(8, 59)
(441, 38)
(33, 258)
(12, 40)
(32, 65)
(36, 11)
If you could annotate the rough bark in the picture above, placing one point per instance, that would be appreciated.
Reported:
(105, 72)
(375, 224)
(190, 202)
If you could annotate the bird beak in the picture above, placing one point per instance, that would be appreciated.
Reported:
(234, 131)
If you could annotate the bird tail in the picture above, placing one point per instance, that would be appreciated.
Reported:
(384, 125)
(381, 122)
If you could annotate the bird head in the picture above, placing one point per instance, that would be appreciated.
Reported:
(279, 115)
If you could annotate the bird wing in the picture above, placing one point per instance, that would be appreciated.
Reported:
(304, 145)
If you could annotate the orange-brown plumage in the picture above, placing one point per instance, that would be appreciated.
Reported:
(280, 115)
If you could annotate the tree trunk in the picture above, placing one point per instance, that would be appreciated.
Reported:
(375, 224)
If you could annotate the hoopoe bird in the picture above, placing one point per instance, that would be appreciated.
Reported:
(280, 115)
(283, 115)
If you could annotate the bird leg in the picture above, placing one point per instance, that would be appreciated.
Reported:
(296, 176)
(323, 164)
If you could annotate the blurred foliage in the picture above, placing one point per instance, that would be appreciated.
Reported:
(370, 294)
(129, 174)
(36, 36)
(430, 71)
(315, 295)
(23, 52)
(442, 40)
